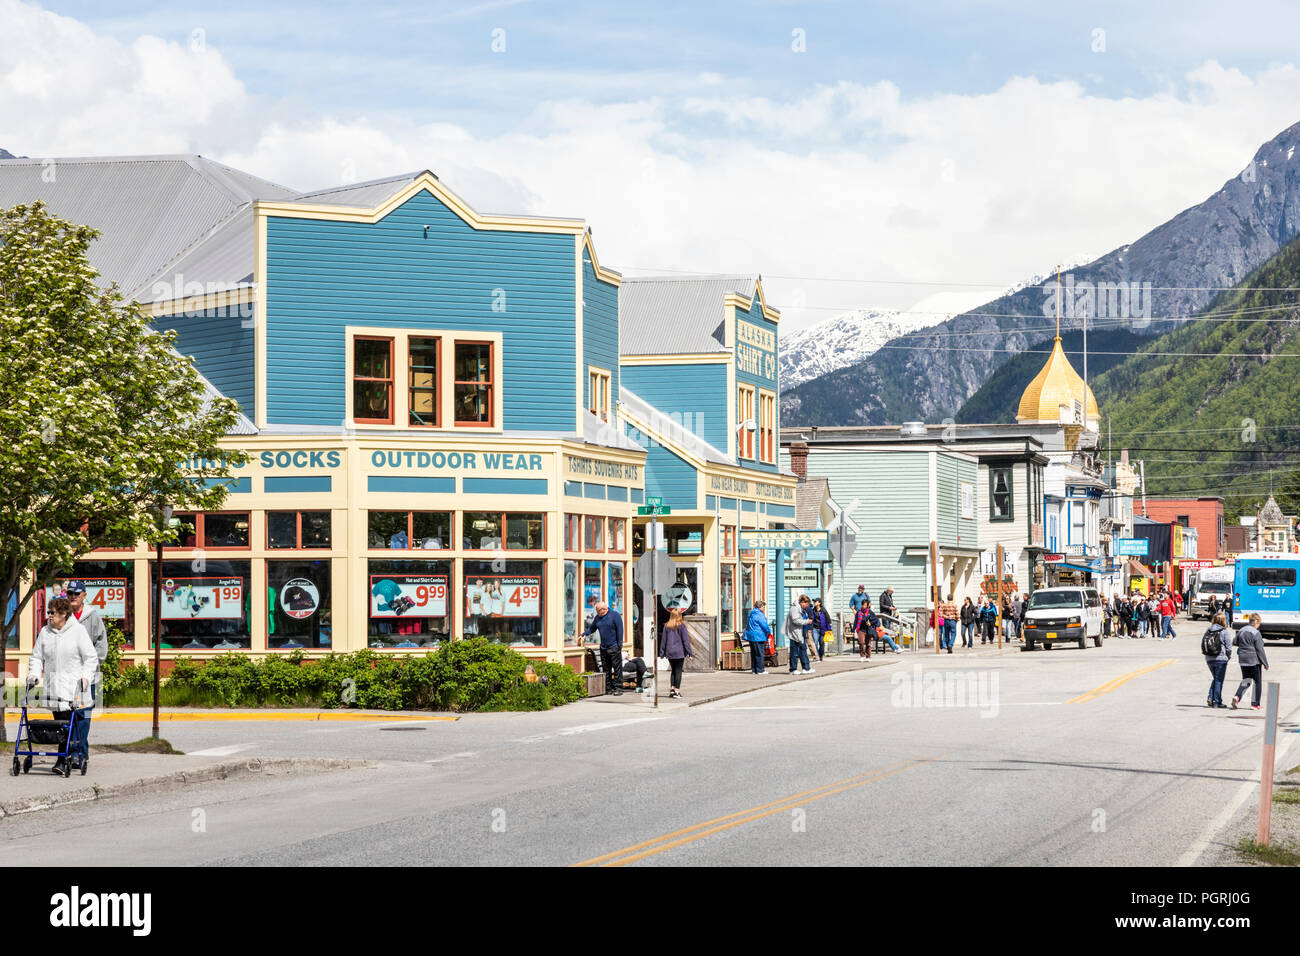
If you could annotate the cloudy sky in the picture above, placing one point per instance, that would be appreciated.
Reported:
(915, 155)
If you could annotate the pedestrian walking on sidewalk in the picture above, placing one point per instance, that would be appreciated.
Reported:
(64, 656)
(887, 603)
(864, 631)
(1228, 604)
(820, 630)
(989, 618)
(1167, 610)
(758, 632)
(93, 621)
(795, 622)
(1216, 646)
(675, 644)
(1251, 657)
(948, 611)
(610, 625)
(967, 622)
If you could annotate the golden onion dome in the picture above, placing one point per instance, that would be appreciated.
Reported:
(1056, 385)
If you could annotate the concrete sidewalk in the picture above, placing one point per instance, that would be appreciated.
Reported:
(116, 774)
(704, 688)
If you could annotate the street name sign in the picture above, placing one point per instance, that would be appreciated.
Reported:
(781, 540)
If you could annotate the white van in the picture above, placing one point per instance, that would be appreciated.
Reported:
(1210, 582)
(1063, 614)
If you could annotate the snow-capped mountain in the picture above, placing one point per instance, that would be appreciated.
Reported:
(844, 340)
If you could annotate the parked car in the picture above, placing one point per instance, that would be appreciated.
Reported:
(1057, 615)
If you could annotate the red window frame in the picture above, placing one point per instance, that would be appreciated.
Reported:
(437, 382)
(505, 530)
(410, 531)
(744, 412)
(590, 521)
(298, 545)
(766, 428)
(366, 378)
(611, 543)
(573, 534)
(200, 532)
(490, 385)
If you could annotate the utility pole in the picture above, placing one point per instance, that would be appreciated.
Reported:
(934, 588)
(999, 598)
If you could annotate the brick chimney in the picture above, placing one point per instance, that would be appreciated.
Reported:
(799, 459)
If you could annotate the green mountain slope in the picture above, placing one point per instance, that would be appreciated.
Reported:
(996, 400)
(1224, 411)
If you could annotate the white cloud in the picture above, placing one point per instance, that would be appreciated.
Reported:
(844, 180)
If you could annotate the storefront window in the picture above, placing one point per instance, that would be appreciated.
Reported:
(591, 588)
(372, 380)
(685, 539)
(204, 610)
(572, 618)
(617, 534)
(410, 603)
(594, 539)
(110, 589)
(614, 593)
(297, 529)
(225, 530)
(728, 541)
(422, 382)
(298, 604)
(506, 606)
(746, 589)
(418, 530)
(482, 531)
(726, 585)
(187, 533)
(572, 532)
(524, 532)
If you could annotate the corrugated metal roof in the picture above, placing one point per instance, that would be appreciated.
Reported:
(149, 209)
(366, 195)
(672, 431)
(598, 432)
(243, 424)
(681, 314)
(224, 255)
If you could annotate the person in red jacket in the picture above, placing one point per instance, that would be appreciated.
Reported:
(1167, 611)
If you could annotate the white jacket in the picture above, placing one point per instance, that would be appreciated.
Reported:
(63, 658)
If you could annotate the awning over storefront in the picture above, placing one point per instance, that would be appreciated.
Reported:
(1137, 570)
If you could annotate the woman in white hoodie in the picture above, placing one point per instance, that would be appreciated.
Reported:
(65, 657)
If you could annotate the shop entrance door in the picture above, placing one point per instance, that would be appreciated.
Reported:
(683, 593)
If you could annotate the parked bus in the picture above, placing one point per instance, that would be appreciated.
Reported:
(1265, 582)
(1209, 582)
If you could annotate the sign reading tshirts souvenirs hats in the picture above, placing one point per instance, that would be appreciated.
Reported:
(781, 540)
(187, 599)
(492, 595)
(299, 598)
(408, 595)
(106, 594)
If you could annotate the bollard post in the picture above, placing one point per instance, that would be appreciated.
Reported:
(1266, 769)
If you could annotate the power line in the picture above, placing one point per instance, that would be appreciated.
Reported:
(957, 348)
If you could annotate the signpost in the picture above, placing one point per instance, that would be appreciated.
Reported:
(655, 564)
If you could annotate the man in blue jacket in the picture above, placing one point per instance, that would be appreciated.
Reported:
(610, 626)
(756, 633)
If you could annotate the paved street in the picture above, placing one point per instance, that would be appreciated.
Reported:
(1095, 757)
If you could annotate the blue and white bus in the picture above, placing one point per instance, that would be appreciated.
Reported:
(1265, 583)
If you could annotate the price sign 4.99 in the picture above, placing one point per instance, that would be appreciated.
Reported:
(107, 595)
(490, 595)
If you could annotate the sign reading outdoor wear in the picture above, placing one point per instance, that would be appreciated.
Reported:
(781, 540)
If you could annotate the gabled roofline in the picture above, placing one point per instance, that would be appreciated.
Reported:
(602, 273)
(740, 302)
(424, 182)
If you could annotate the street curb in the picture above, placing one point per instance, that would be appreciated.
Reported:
(220, 771)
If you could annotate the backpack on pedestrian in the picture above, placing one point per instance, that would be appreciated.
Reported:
(1211, 642)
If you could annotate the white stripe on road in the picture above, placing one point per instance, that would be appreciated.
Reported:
(1248, 789)
(586, 728)
(459, 756)
(220, 751)
(774, 707)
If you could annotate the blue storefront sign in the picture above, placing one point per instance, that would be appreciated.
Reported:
(1134, 547)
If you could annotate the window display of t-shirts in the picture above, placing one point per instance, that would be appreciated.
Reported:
(298, 604)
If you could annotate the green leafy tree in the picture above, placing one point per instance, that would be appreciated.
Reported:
(101, 421)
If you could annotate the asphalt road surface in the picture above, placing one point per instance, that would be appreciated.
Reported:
(1102, 756)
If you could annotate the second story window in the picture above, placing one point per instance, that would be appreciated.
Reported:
(767, 427)
(598, 393)
(1000, 497)
(372, 381)
(744, 415)
(422, 382)
(473, 383)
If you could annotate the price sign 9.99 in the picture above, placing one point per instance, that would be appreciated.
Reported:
(407, 595)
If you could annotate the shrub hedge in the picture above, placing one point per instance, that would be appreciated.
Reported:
(468, 675)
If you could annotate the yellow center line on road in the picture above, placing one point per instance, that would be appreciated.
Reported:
(176, 716)
(1110, 685)
(701, 830)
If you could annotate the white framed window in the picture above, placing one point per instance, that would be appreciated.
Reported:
(966, 493)
(598, 392)
(744, 413)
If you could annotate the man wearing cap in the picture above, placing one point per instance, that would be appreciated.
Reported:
(610, 625)
(93, 622)
(855, 601)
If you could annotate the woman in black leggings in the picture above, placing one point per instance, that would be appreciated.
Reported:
(675, 644)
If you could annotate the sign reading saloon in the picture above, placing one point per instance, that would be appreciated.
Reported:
(781, 540)
(744, 486)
